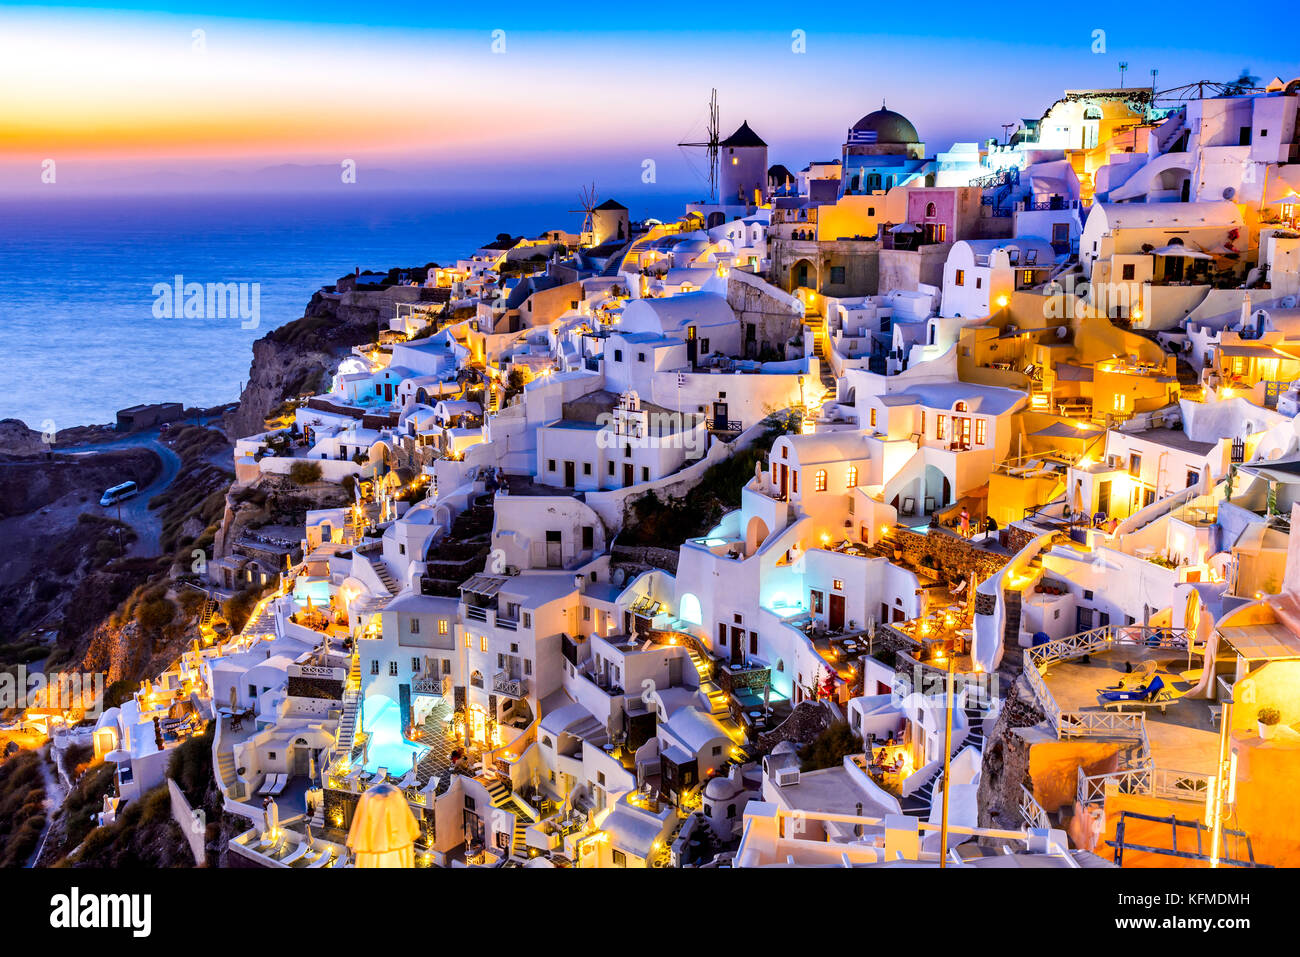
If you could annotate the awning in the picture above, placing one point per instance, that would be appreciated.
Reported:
(485, 585)
(1266, 642)
(1182, 251)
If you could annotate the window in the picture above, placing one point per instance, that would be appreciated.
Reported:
(586, 613)
(611, 468)
(586, 468)
(374, 667)
(528, 666)
(871, 210)
(526, 619)
(442, 626)
(640, 357)
(467, 639)
(1129, 271)
(979, 282)
(853, 476)
(931, 210)
(550, 465)
(922, 428)
(940, 427)
(837, 275)
(588, 538)
(1135, 465)
(1193, 477)
(415, 666)
(717, 750)
(482, 643)
(960, 278)
(1120, 402)
(1027, 277)
(620, 859)
(819, 481)
(837, 584)
(415, 626)
(979, 431)
(618, 355)
(873, 418)
(392, 669)
(645, 473)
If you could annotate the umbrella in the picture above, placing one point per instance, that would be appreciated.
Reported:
(271, 814)
(1207, 483)
(383, 829)
(1076, 505)
(234, 698)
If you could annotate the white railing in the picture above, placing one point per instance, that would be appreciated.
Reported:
(1031, 812)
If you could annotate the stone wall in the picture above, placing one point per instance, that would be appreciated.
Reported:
(1006, 758)
(1014, 538)
(809, 719)
(775, 315)
(956, 557)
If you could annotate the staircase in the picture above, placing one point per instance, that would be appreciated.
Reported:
(385, 576)
(226, 770)
(500, 795)
(210, 608)
(917, 804)
(975, 722)
(717, 697)
(821, 344)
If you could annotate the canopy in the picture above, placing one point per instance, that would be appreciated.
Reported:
(383, 829)
(1183, 251)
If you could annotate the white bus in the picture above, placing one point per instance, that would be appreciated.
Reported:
(118, 493)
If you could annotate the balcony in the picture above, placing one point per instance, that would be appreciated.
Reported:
(503, 683)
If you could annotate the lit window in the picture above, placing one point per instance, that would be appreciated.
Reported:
(819, 483)
(467, 637)
(960, 278)
(853, 476)
(979, 431)
(482, 642)
(940, 427)
(873, 418)
(442, 626)
(837, 584)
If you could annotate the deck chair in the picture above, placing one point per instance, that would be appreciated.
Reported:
(909, 506)
(1148, 694)
(929, 504)
(282, 781)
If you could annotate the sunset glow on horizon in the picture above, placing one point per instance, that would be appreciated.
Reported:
(143, 88)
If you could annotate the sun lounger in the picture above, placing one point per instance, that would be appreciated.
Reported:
(281, 780)
(1152, 694)
(272, 785)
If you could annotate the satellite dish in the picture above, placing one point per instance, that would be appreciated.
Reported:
(618, 576)
(1229, 192)
(1062, 331)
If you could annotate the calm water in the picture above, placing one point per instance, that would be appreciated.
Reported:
(77, 326)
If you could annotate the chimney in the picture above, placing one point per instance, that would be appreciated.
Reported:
(1245, 312)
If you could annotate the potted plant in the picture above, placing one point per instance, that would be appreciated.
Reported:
(1267, 719)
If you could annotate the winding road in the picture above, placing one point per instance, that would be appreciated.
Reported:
(135, 511)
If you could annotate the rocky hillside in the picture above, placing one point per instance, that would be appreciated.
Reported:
(299, 357)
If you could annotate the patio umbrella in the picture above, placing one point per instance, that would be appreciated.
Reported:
(383, 829)
(271, 813)
(234, 698)
(1076, 504)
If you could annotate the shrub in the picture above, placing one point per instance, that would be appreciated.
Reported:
(1268, 716)
(828, 749)
(305, 473)
(154, 614)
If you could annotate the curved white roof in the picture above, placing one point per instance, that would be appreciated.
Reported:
(671, 315)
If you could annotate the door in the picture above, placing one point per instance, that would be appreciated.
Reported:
(627, 474)
(784, 474)
(388, 392)
(719, 415)
(837, 612)
(554, 550)
(1103, 497)
(1082, 619)
(674, 672)
(737, 645)
(692, 345)
(568, 475)
(963, 432)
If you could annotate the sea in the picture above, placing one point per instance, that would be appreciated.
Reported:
(84, 331)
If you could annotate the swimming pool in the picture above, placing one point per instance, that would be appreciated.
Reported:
(389, 748)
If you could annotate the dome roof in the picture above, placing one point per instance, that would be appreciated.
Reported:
(889, 127)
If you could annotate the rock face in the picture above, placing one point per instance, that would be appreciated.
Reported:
(1006, 759)
(297, 357)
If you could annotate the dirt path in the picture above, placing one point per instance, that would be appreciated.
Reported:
(55, 795)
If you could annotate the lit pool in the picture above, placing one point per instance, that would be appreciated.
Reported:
(389, 748)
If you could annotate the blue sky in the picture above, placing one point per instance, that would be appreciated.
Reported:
(578, 91)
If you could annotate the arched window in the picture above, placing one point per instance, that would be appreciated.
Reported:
(819, 481)
(853, 476)
(960, 407)
(476, 679)
(931, 210)
(689, 609)
(780, 665)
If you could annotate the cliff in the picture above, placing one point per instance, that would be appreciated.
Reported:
(299, 357)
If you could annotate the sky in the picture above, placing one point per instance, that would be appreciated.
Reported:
(472, 95)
